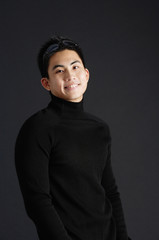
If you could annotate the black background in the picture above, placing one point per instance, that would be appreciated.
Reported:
(120, 40)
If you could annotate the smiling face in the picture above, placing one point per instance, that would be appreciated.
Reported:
(67, 76)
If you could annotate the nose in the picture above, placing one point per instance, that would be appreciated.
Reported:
(69, 75)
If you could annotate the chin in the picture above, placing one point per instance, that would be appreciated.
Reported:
(75, 98)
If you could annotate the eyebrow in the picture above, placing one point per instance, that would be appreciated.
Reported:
(77, 61)
(56, 66)
(59, 65)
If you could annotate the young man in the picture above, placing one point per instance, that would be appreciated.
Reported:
(63, 156)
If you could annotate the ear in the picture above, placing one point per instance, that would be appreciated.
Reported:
(87, 74)
(45, 83)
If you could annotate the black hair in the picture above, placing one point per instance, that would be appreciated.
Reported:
(53, 45)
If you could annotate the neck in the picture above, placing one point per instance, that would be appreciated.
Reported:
(66, 107)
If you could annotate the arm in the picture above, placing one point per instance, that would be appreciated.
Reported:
(32, 151)
(111, 189)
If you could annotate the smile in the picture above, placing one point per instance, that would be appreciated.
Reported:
(72, 86)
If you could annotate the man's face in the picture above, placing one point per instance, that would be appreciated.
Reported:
(67, 76)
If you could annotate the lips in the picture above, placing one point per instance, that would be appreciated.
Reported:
(71, 86)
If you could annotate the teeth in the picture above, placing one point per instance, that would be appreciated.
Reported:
(72, 86)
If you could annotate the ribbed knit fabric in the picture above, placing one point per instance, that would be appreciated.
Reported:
(63, 162)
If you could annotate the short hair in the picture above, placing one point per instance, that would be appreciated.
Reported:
(53, 45)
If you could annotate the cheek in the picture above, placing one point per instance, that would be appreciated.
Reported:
(56, 83)
(83, 77)
(84, 82)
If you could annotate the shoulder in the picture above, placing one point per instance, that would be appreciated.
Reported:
(36, 133)
(39, 122)
(94, 119)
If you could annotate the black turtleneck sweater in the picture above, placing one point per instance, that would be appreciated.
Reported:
(63, 162)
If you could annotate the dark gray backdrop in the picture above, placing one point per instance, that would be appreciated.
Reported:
(120, 40)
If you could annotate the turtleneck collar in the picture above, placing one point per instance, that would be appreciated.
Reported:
(64, 107)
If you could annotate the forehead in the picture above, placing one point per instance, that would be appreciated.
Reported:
(64, 56)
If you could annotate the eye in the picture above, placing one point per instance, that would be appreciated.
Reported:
(59, 71)
(75, 67)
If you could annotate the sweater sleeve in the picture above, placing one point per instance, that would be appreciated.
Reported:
(32, 151)
(112, 193)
